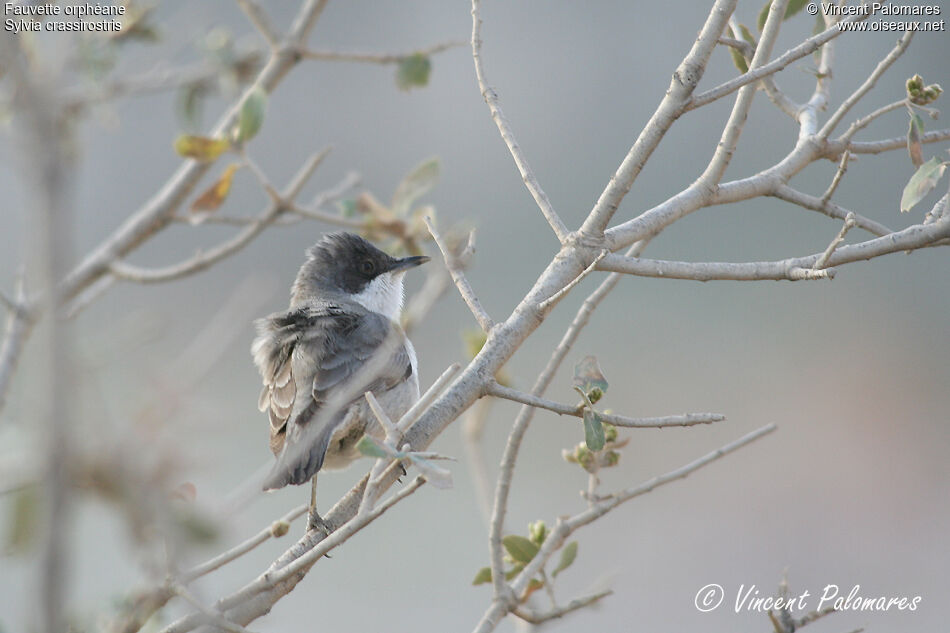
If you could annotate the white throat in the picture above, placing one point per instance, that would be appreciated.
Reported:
(383, 295)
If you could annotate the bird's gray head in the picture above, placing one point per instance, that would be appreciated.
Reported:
(346, 264)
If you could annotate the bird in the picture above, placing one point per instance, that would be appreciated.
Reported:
(339, 338)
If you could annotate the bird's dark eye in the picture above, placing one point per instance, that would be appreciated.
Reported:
(367, 267)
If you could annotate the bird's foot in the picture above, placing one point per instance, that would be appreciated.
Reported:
(316, 522)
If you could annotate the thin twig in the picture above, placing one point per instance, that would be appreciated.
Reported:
(426, 399)
(20, 322)
(502, 592)
(685, 419)
(832, 210)
(202, 260)
(869, 83)
(823, 260)
(839, 174)
(213, 617)
(378, 58)
(557, 296)
(864, 121)
(535, 617)
(804, 49)
(504, 128)
(261, 22)
(833, 149)
(684, 81)
(271, 531)
(793, 269)
(458, 276)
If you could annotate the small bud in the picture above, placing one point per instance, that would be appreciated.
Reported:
(537, 532)
(610, 432)
(568, 456)
(610, 458)
(279, 528)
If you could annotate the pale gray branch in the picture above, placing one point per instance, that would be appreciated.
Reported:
(833, 149)
(18, 327)
(271, 531)
(869, 83)
(261, 22)
(377, 58)
(461, 282)
(157, 213)
(201, 261)
(557, 296)
(793, 269)
(823, 260)
(832, 210)
(804, 49)
(682, 85)
(577, 411)
(535, 617)
(504, 128)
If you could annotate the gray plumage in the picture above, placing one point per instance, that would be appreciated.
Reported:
(339, 339)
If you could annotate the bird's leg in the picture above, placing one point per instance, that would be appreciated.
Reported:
(315, 521)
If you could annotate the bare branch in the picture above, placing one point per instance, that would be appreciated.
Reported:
(863, 122)
(425, 400)
(19, 325)
(833, 149)
(839, 174)
(536, 618)
(261, 22)
(155, 214)
(869, 83)
(793, 269)
(823, 260)
(686, 419)
(740, 110)
(557, 296)
(832, 210)
(201, 261)
(378, 58)
(458, 276)
(523, 421)
(218, 620)
(682, 85)
(504, 128)
(271, 531)
(564, 528)
(804, 49)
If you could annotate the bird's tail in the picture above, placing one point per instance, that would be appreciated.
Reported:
(301, 459)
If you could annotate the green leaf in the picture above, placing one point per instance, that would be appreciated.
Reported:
(252, 115)
(914, 132)
(201, 148)
(568, 554)
(589, 378)
(593, 430)
(747, 35)
(794, 6)
(738, 59)
(514, 571)
(24, 522)
(368, 447)
(924, 179)
(413, 71)
(483, 576)
(416, 184)
(519, 548)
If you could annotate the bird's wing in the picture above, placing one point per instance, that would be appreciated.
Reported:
(340, 351)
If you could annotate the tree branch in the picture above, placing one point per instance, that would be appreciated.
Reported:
(686, 419)
(201, 261)
(377, 58)
(458, 276)
(682, 85)
(504, 128)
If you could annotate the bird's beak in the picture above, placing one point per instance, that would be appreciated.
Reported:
(409, 262)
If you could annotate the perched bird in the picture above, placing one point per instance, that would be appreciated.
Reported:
(339, 339)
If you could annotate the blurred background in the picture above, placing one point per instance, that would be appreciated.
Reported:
(852, 489)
